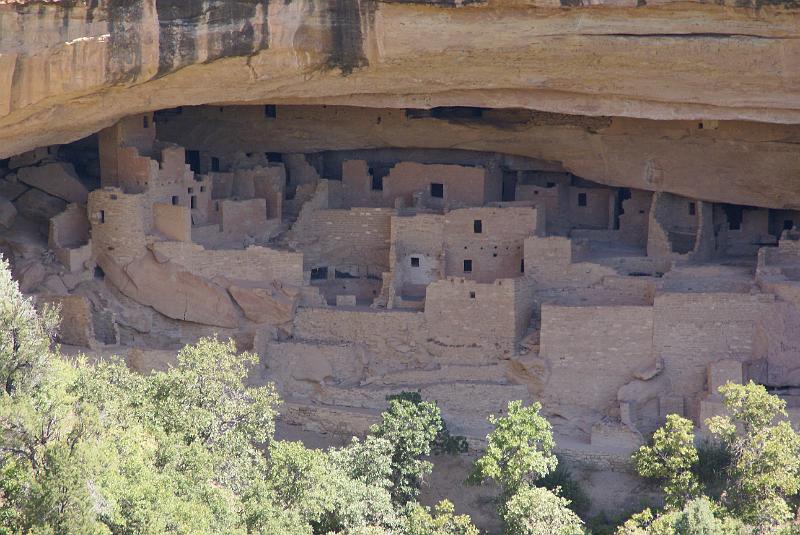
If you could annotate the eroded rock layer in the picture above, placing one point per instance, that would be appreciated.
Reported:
(68, 68)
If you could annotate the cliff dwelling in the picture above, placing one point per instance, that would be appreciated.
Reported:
(615, 257)
(473, 276)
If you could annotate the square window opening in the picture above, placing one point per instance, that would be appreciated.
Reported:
(472, 295)
(467, 266)
(271, 111)
(320, 273)
(414, 261)
(437, 190)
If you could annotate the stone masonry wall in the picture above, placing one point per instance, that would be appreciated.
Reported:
(592, 351)
(595, 214)
(694, 329)
(256, 264)
(497, 251)
(420, 237)
(355, 237)
(463, 312)
(463, 186)
(548, 262)
(117, 221)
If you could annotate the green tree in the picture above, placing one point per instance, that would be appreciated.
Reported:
(411, 427)
(25, 336)
(443, 521)
(700, 516)
(336, 491)
(519, 451)
(204, 401)
(538, 511)
(671, 458)
(765, 454)
(444, 443)
(98, 449)
(50, 443)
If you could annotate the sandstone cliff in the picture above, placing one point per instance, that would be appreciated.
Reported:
(68, 67)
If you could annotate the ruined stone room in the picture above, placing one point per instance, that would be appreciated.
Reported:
(590, 205)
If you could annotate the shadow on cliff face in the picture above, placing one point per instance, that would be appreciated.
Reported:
(192, 31)
(229, 28)
(124, 62)
(347, 39)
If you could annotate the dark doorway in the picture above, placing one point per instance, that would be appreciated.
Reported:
(193, 159)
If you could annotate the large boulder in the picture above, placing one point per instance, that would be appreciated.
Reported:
(39, 206)
(58, 179)
(31, 276)
(7, 213)
(11, 188)
(32, 157)
(274, 305)
(171, 290)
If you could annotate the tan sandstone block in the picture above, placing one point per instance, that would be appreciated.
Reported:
(274, 305)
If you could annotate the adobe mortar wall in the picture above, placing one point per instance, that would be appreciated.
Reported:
(70, 228)
(174, 222)
(242, 218)
(596, 214)
(357, 186)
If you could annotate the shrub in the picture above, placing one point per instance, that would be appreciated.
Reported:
(671, 458)
(765, 454)
(538, 511)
